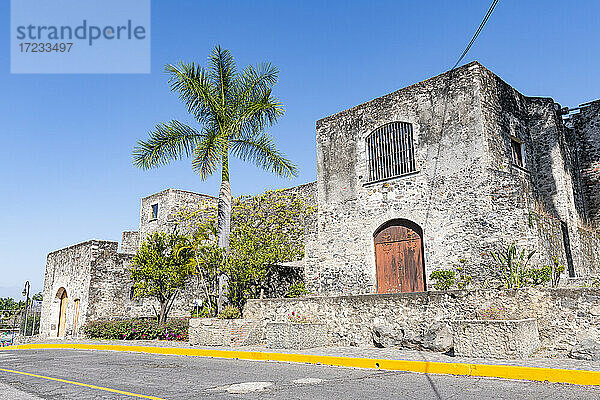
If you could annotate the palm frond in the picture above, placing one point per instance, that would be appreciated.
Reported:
(253, 80)
(167, 142)
(209, 152)
(261, 150)
(222, 73)
(193, 85)
(234, 110)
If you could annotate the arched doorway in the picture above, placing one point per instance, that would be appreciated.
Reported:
(62, 314)
(76, 317)
(400, 266)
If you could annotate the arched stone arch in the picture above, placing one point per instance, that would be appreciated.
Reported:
(60, 292)
(61, 295)
(399, 261)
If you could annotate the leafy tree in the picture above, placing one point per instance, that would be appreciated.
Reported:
(208, 261)
(38, 296)
(233, 110)
(268, 230)
(8, 303)
(160, 269)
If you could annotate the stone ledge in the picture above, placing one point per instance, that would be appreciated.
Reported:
(224, 332)
(495, 338)
(287, 335)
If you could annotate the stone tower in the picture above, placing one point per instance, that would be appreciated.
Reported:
(586, 125)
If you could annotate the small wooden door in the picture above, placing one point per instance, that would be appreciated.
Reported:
(62, 316)
(75, 316)
(399, 260)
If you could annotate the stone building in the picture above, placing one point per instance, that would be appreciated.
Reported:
(90, 280)
(450, 168)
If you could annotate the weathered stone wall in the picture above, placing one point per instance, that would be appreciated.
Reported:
(130, 242)
(548, 184)
(586, 125)
(590, 251)
(495, 338)
(224, 332)
(285, 335)
(545, 236)
(171, 203)
(467, 195)
(565, 316)
(444, 196)
(111, 292)
(70, 268)
(98, 276)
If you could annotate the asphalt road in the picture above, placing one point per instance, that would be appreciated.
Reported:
(182, 377)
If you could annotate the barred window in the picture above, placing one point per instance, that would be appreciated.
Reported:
(390, 151)
(516, 148)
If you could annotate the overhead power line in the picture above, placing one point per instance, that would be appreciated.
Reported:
(445, 93)
(485, 19)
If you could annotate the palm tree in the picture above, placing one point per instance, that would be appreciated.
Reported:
(233, 110)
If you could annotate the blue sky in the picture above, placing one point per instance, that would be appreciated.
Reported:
(65, 158)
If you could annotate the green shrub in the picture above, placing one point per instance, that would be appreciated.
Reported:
(512, 265)
(298, 289)
(539, 276)
(201, 311)
(230, 312)
(444, 279)
(138, 329)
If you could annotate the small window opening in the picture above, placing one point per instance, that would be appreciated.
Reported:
(154, 211)
(132, 293)
(390, 151)
(517, 152)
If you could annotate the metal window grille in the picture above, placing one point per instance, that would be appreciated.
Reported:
(391, 151)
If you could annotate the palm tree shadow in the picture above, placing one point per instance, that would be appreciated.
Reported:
(428, 377)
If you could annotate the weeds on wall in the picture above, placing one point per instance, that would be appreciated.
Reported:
(296, 318)
(513, 266)
(445, 279)
(297, 289)
(230, 312)
(515, 272)
(267, 232)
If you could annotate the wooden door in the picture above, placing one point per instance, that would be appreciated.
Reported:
(75, 317)
(399, 260)
(62, 316)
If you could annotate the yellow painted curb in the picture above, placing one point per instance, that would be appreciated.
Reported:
(572, 376)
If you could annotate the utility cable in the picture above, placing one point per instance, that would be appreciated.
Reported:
(481, 25)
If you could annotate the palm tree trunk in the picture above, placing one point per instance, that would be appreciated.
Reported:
(223, 225)
(224, 215)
